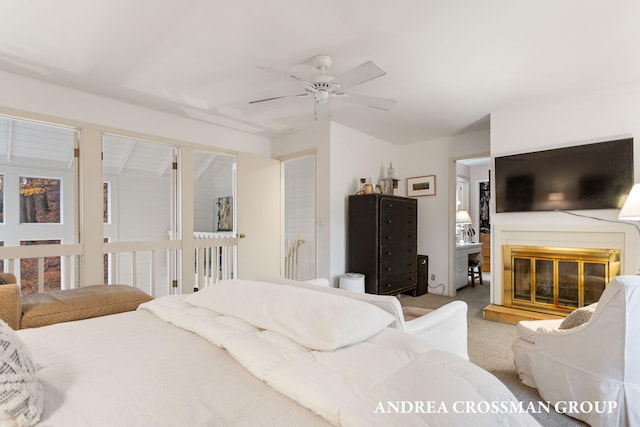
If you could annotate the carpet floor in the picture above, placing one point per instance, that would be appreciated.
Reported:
(490, 346)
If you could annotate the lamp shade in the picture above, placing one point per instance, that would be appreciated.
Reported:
(631, 209)
(462, 217)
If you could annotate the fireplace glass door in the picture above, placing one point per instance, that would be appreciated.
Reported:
(544, 281)
(568, 283)
(556, 280)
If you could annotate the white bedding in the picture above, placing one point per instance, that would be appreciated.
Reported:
(172, 363)
(132, 369)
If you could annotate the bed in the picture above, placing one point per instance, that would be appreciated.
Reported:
(245, 353)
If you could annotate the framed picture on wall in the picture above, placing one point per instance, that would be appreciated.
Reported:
(421, 186)
(225, 214)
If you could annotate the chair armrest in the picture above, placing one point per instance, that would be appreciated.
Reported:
(445, 328)
(10, 305)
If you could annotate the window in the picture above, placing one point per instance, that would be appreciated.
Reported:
(139, 205)
(39, 200)
(138, 196)
(29, 270)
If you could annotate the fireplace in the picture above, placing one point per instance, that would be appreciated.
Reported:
(556, 280)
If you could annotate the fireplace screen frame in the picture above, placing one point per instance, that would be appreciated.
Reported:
(556, 280)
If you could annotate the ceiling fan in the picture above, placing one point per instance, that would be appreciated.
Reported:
(323, 87)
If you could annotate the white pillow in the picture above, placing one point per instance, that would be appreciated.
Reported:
(21, 394)
(316, 320)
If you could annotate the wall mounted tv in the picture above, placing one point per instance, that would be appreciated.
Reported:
(590, 176)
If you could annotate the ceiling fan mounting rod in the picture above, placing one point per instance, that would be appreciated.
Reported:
(322, 62)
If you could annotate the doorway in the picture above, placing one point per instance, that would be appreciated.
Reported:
(473, 222)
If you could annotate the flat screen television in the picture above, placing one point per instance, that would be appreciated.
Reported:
(590, 176)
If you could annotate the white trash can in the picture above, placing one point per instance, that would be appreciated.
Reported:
(353, 282)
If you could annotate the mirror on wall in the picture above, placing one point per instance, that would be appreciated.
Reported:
(462, 195)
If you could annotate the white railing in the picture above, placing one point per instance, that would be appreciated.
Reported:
(152, 266)
(291, 259)
(69, 255)
(148, 265)
(216, 258)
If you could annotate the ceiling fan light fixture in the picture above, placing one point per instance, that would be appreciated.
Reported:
(322, 95)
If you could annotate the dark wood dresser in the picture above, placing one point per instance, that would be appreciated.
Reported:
(383, 242)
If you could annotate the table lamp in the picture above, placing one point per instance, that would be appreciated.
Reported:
(462, 218)
(631, 209)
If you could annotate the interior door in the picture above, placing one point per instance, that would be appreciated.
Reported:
(259, 221)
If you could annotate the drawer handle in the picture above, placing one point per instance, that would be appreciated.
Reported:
(388, 252)
(389, 221)
(388, 285)
(388, 268)
(388, 237)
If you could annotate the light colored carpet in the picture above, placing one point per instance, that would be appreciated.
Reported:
(490, 346)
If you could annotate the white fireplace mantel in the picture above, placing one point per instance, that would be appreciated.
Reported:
(622, 236)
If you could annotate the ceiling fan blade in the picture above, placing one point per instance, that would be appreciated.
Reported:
(360, 74)
(370, 101)
(273, 98)
(280, 73)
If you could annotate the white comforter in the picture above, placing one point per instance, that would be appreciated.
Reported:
(178, 362)
(390, 379)
(135, 370)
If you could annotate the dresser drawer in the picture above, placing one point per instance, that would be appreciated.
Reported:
(390, 283)
(400, 264)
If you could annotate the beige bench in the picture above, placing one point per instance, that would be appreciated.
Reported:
(30, 311)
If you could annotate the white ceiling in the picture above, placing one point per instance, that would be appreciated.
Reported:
(449, 63)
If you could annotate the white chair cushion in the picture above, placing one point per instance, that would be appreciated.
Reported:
(527, 328)
(411, 313)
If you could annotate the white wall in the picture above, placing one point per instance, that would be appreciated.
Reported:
(436, 226)
(594, 117)
(34, 96)
(354, 155)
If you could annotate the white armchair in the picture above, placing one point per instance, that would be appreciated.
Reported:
(444, 328)
(594, 364)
